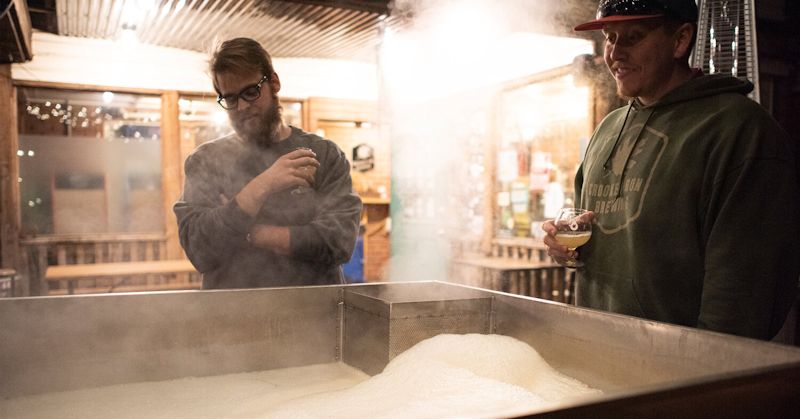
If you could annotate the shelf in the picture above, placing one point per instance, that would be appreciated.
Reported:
(374, 201)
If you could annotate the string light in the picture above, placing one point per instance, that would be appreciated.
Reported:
(85, 117)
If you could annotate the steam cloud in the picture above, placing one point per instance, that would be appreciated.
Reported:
(440, 79)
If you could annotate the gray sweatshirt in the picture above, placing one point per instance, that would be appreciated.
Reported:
(323, 222)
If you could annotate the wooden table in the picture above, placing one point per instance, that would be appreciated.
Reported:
(73, 273)
(546, 280)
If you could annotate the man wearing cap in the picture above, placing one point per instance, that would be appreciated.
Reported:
(693, 186)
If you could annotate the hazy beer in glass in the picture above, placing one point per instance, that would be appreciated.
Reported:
(574, 229)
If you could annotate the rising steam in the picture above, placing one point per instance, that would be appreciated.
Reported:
(440, 79)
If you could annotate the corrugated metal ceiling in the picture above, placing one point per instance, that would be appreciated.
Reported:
(333, 29)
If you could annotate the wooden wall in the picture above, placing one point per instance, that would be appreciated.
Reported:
(349, 123)
(346, 122)
(9, 191)
(171, 169)
(377, 246)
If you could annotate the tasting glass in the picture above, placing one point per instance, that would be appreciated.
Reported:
(302, 189)
(574, 229)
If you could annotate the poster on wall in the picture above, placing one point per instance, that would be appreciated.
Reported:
(540, 170)
(507, 168)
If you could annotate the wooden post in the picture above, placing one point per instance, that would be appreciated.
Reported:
(171, 174)
(9, 173)
(490, 148)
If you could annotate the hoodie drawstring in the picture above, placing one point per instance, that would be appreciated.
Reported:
(619, 135)
(630, 150)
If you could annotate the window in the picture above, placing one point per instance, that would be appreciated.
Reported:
(202, 119)
(545, 127)
(89, 162)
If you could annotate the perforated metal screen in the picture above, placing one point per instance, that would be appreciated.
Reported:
(726, 40)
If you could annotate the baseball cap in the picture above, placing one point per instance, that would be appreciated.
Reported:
(623, 10)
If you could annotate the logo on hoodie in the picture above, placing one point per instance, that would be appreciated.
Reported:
(615, 188)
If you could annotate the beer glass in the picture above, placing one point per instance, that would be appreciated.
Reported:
(574, 229)
(301, 189)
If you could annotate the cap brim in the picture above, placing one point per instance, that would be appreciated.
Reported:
(599, 23)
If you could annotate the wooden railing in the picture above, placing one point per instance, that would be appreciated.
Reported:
(41, 252)
(505, 268)
(527, 248)
(517, 248)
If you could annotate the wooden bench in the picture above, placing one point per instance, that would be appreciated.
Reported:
(41, 252)
(119, 272)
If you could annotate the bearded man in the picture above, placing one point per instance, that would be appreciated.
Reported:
(268, 205)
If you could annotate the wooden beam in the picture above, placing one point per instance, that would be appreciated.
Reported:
(115, 89)
(345, 110)
(97, 270)
(9, 173)
(489, 199)
(171, 173)
(43, 15)
(15, 32)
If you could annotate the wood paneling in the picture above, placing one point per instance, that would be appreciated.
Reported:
(94, 87)
(368, 183)
(15, 32)
(349, 123)
(327, 109)
(9, 172)
(377, 247)
(171, 173)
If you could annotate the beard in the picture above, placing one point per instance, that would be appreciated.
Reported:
(262, 129)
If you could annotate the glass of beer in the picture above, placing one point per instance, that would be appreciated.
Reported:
(574, 228)
(302, 189)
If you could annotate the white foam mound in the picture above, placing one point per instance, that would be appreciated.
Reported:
(443, 377)
(191, 397)
(447, 376)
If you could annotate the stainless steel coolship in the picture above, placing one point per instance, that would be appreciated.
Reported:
(645, 368)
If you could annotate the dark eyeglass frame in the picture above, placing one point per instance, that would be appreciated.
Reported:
(249, 94)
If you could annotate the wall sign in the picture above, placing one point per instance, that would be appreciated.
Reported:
(363, 157)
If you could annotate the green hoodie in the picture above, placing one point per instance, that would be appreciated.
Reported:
(697, 202)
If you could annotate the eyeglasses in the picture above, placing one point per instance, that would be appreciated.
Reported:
(249, 94)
